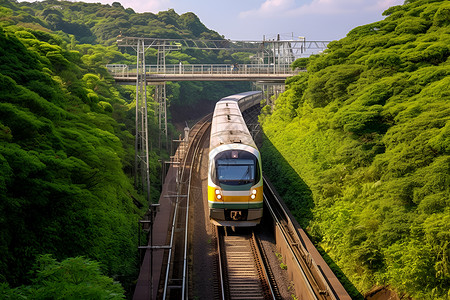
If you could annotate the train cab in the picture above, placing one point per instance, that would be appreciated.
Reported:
(235, 182)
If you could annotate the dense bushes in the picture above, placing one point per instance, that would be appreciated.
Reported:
(73, 278)
(367, 130)
(66, 144)
(62, 155)
(93, 23)
(97, 23)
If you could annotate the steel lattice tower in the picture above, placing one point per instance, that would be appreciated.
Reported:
(276, 53)
(141, 140)
(140, 45)
(160, 95)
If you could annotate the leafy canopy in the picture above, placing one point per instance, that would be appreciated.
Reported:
(365, 133)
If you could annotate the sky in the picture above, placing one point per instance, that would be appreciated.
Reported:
(315, 20)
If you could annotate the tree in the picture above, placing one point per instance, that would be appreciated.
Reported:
(366, 129)
(72, 278)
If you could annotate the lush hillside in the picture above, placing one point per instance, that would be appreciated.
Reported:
(66, 143)
(365, 136)
(95, 23)
(63, 160)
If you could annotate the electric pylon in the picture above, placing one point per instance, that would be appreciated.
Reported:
(142, 173)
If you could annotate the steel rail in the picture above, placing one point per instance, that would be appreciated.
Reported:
(304, 255)
(219, 257)
(172, 236)
(196, 149)
(278, 224)
(264, 285)
(258, 250)
(183, 291)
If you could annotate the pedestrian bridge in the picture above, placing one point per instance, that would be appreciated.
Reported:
(126, 74)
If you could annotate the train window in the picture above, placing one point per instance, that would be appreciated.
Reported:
(235, 171)
(235, 167)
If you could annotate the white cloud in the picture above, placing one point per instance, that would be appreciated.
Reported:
(385, 4)
(273, 6)
(148, 5)
(269, 8)
(326, 7)
(287, 8)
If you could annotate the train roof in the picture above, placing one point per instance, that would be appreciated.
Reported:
(238, 97)
(228, 126)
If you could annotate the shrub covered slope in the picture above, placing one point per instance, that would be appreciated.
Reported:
(99, 24)
(66, 144)
(63, 189)
(93, 23)
(366, 133)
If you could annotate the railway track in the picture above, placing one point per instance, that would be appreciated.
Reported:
(313, 279)
(242, 268)
(317, 281)
(176, 277)
(243, 273)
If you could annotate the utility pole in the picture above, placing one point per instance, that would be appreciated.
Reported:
(141, 138)
(275, 53)
(160, 95)
(140, 45)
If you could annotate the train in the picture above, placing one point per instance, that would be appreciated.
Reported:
(235, 181)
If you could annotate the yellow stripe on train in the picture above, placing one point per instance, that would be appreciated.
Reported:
(215, 194)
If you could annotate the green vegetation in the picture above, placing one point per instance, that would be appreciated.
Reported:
(283, 266)
(93, 23)
(67, 144)
(98, 24)
(358, 146)
(62, 160)
(365, 135)
(73, 278)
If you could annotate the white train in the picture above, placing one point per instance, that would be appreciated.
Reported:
(235, 184)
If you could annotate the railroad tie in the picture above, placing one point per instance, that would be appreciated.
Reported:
(244, 282)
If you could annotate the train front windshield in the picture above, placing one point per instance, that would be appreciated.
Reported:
(236, 168)
(236, 171)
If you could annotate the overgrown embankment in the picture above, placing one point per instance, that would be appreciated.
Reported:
(63, 160)
(365, 133)
(67, 145)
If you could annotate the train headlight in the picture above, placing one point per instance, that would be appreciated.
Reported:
(253, 195)
(218, 195)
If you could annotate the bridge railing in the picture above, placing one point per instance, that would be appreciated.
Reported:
(121, 70)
